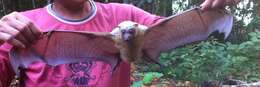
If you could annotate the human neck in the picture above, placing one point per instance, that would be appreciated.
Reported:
(72, 10)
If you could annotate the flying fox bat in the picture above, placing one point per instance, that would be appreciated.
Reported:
(129, 41)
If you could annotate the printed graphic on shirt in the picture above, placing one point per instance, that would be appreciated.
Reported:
(81, 73)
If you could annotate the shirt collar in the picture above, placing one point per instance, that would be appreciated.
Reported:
(73, 21)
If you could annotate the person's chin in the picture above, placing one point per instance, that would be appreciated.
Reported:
(79, 1)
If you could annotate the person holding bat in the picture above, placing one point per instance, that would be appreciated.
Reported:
(22, 29)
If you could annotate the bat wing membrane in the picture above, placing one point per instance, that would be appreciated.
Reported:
(63, 47)
(190, 26)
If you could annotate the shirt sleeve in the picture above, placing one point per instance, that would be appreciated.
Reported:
(126, 12)
(6, 71)
(143, 17)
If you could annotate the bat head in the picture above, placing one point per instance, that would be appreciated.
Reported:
(129, 30)
(128, 34)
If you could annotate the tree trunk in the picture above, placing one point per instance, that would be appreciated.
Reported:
(257, 7)
(15, 5)
(165, 7)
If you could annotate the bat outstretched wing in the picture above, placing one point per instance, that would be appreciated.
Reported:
(63, 47)
(190, 26)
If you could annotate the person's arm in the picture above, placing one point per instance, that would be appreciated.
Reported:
(127, 12)
(143, 17)
(146, 18)
(213, 4)
(18, 31)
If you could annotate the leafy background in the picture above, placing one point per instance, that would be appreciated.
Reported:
(197, 64)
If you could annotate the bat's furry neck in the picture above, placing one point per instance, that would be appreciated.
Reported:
(130, 50)
(133, 48)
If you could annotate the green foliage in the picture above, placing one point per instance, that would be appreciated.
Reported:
(254, 24)
(137, 84)
(148, 77)
(211, 60)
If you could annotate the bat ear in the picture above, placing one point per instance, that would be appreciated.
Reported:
(115, 31)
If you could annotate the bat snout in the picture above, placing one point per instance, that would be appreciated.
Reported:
(128, 37)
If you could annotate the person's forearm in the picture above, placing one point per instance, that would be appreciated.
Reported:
(213, 4)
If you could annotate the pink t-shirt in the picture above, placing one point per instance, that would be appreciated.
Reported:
(86, 73)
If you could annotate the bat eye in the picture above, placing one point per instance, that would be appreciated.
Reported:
(132, 30)
(123, 31)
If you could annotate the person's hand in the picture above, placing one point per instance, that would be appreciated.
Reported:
(214, 4)
(18, 30)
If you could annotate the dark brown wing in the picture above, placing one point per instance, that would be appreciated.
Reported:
(63, 47)
(189, 26)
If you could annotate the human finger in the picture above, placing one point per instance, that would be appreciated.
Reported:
(8, 38)
(206, 4)
(21, 30)
(5, 28)
(33, 29)
(218, 4)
